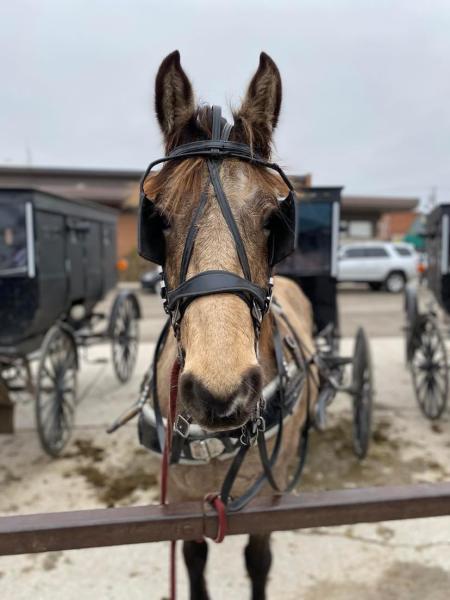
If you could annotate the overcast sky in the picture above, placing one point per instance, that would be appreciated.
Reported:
(366, 83)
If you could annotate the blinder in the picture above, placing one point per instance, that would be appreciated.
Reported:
(151, 240)
(282, 235)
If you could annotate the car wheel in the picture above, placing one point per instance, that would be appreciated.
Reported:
(395, 282)
(375, 285)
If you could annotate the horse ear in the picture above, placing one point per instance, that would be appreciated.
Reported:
(174, 98)
(260, 109)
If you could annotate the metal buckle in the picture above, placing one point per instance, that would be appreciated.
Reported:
(199, 450)
(269, 294)
(182, 426)
(163, 293)
(215, 447)
(257, 312)
(206, 449)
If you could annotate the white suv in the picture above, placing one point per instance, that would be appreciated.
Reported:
(378, 263)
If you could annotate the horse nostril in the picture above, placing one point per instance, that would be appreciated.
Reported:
(208, 406)
(197, 397)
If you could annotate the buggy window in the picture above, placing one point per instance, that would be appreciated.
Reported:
(13, 239)
(403, 251)
(314, 225)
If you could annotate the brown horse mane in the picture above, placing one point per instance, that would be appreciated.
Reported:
(186, 176)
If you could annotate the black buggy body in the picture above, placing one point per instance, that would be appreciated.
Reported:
(427, 327)
(54, 254)
(313, 264)
(438, 248)
(57, 261)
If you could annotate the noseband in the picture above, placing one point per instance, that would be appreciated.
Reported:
(151, 241)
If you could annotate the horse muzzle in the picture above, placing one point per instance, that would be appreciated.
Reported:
(217, 412)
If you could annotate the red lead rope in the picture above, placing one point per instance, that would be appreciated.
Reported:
(165, 467)
(213, 499)
(170, 421)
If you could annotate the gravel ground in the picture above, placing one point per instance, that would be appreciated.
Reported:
(407, 560)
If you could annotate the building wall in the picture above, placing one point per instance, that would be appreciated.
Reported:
(393, 226)
(126, 233)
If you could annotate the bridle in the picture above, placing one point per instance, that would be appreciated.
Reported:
(151, 240)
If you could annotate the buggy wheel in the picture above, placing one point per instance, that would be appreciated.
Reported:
(124, 332)
(411, 317)
(56, 389)
(429, 369)
(362, 392)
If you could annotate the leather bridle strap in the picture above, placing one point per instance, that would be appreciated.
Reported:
(212, 149)
(191, 237)
(216, 122)
(211, 282)
(228, 216)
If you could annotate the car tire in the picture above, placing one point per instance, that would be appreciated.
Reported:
(375, 286)
(395, 282)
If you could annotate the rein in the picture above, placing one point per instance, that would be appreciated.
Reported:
(212, 499)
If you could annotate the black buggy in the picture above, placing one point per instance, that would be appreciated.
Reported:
(313, 265)
(427, 311)
(57, 260)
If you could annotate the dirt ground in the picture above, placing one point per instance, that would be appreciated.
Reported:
(407, 560)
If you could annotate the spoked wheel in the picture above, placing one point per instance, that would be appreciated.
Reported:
(411, 315)
(429, 369)
(56, 389)
(362, 386)
(124, 331)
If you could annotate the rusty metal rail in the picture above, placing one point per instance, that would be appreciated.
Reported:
(190, 520)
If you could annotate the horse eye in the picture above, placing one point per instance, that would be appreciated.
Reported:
(165, 223)
(268, 222)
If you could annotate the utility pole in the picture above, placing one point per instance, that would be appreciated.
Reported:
(432, 198)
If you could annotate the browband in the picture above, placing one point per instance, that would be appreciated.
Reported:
(216, 149)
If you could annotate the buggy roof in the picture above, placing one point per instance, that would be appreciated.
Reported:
(58, 204)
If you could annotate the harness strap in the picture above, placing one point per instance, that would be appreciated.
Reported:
(216, 122)
(229, 218)
(160, 429)
(215, 282)
(215, 149)
(191, 237)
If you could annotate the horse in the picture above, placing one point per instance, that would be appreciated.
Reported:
(223, 368)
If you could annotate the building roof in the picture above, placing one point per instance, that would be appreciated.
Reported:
(112, 187)
(119, 187)
(379, 203)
